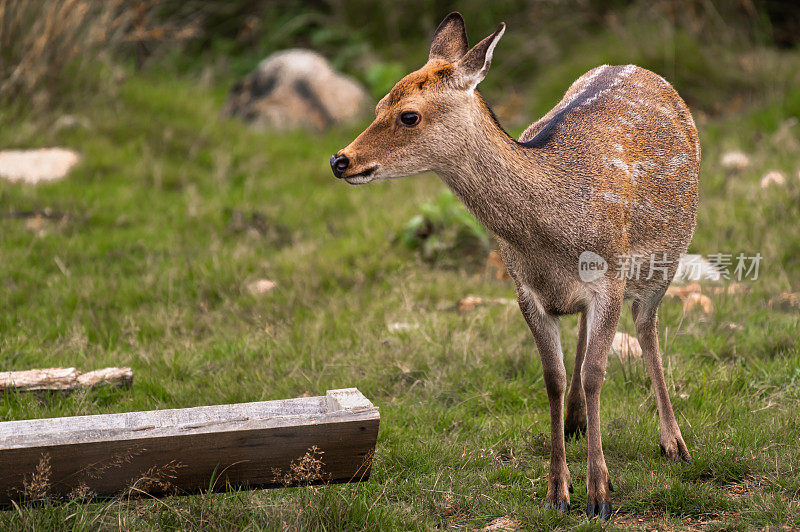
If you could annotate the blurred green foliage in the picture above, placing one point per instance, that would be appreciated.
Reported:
(446, 233)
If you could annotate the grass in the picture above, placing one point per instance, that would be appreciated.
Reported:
(152, 241)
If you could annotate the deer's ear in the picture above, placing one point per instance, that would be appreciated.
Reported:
(450, 39)
(472, 68)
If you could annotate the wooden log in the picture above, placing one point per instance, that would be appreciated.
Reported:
(63, 379)
(308, 440)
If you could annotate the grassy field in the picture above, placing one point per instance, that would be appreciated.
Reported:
(148, 247)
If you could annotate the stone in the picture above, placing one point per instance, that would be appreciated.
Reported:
(294, 89)
(37, 166)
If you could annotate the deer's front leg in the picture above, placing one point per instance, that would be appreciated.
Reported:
(545, 333)
(602, 321)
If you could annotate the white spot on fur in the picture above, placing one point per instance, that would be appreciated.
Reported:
(587, 79)
(634, 115)
(624, 73)
(679, 160)
(666, 110)
(610, 197)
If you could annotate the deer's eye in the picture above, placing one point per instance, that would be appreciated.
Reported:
(409, 118)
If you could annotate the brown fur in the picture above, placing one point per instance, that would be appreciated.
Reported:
(611, 169)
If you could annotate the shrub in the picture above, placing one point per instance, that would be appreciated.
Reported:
(446, 233)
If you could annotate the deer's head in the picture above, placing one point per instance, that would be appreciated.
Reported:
(424, 112)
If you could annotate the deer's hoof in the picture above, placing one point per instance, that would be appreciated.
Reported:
(562, 507)
(600, 510)
(675, 450)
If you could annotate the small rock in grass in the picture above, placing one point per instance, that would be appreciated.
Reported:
(698, 300)
(37, 224)
(681, 292)
(732, 289)
(695, 268)
(469, 303)
(773, 177)
(262, 286)
(36, 166)
(735, 160)
(71, 122)
(399, 326)
(626, 345)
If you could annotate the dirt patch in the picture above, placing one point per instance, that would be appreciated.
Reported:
(257, 224)
(657, 521)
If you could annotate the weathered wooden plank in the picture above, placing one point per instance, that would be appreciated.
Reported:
(63, 379)
(188, 450)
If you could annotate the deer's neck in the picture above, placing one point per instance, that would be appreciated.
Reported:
(501, 182)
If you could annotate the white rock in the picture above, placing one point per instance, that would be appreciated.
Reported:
(297, 88)
(262, 286)
(735, 160)
(399, 326)
(36, 166)
(626, 345)
(773, 177)
(695, 268)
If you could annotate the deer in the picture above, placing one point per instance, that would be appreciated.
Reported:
(611, 170)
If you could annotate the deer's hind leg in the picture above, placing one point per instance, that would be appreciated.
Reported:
(645, 316)
(575, 423)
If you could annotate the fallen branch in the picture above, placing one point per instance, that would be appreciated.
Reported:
(63, 379)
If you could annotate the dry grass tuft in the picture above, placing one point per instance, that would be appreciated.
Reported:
(36, 487)
(40, 40)
(156, 480)
(306, 470)
(82, 492)
(45, 43)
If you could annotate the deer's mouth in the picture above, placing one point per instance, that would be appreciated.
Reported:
(361, 177)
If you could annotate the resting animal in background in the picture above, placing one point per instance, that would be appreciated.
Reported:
(609, 172)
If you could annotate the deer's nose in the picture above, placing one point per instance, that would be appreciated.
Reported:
(339, 164)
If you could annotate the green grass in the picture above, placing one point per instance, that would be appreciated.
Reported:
(173, 211)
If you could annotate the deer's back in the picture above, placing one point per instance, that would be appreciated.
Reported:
(623, 145)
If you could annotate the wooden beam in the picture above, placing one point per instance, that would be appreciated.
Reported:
(308, 440)
(63, 379)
